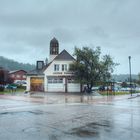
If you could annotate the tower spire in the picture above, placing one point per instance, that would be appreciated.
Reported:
(54, 48)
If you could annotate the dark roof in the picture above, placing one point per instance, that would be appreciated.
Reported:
(54, 40)
(38, 71)
(35, 72)
(64, 55)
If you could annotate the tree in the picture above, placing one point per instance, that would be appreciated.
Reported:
(124, 84)
(14, 65)
(1, 79)
(89, 68)
(138, 81)
(4, 78)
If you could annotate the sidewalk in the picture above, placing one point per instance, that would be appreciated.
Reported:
(62, 98)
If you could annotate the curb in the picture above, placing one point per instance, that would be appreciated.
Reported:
(134, 97)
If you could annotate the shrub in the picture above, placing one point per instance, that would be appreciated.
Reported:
(1, 88)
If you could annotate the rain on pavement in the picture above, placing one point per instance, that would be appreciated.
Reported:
(27, 120)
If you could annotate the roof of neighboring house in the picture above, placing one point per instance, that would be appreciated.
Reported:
(64, 55)
(14, 71)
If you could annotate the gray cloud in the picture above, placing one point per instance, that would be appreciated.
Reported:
(27, 26)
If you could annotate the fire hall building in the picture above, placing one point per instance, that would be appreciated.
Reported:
(54, 76)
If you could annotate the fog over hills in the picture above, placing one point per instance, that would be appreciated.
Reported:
(124, 77)
(10, 65)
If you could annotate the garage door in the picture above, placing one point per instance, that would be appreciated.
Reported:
(72, 86)
(55, 84)
(37, 84)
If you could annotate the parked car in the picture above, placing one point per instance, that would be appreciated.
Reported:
(12, 86)
(21, 83)
(95, 88)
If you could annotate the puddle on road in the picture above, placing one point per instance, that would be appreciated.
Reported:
(12, 113)
(34, 112)
(52, 137)
(37, 112)
(89, 130)
(31, 129)
(104, 124)
(84, 132)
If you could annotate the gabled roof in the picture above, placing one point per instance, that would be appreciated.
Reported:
(64, 55)
(14, 71)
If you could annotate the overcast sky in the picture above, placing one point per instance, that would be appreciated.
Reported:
(27, 26)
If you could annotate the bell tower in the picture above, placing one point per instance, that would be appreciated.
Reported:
(54, 48)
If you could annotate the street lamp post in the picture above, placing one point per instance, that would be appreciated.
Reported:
(130, 74)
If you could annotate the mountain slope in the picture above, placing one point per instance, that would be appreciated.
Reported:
(14, 65)
(124, 77)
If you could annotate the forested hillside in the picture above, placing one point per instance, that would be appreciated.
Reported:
(14, 65)
(124, 77)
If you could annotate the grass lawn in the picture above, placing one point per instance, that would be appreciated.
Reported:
(7, 91)
(116, 93)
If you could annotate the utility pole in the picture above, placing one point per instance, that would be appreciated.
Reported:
(130, 75)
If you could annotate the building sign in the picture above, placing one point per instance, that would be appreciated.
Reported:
(63, 73)
(68, 72)
(57, 73)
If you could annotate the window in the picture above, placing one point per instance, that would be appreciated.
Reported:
(55, 50)
(55, 80)
(64, 67)
(12, 75)
(70, 80)
(23, 76)
(18, 76)
(56, 67)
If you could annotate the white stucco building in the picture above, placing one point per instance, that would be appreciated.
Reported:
(54, 76)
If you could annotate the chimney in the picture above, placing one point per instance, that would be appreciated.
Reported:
(39, 65)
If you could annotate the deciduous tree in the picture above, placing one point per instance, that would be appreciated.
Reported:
(90, 67)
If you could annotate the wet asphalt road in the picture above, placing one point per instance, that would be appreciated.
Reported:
(117, 120)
